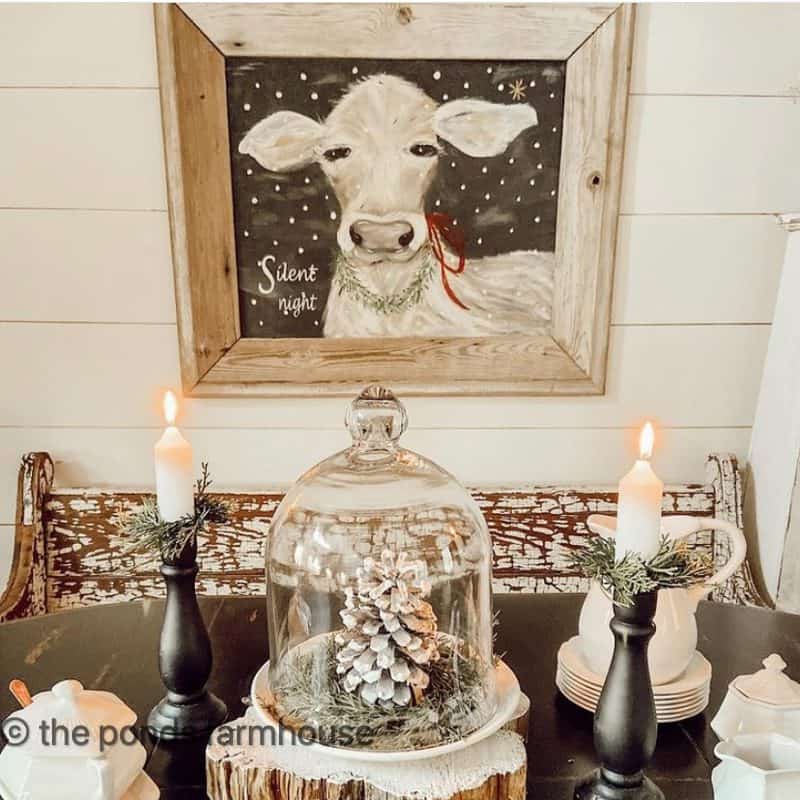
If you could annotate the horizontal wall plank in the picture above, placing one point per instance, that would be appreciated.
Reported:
(677, 376)
(113, 376)
(267, 459)
(90, 266)
(115, 266)
(720, 48)
(697, 269)
(683, 154)
(49, 44)
(77, 44)
(81, 148)
(710, 155)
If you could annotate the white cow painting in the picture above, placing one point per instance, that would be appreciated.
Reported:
(399, 267)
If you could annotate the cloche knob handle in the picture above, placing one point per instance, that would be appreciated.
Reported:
(376, 418)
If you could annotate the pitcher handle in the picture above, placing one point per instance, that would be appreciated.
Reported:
(679, 526)
(738, 549)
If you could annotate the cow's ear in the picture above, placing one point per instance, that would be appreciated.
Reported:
(482, 129)
(282, 142)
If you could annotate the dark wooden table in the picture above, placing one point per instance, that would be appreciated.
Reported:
(114, 648)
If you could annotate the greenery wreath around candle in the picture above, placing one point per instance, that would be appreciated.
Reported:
(674, 566)
(148, 533)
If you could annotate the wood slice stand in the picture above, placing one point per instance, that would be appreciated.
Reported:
(492, 769)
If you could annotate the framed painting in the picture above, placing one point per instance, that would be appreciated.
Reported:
(425, 196)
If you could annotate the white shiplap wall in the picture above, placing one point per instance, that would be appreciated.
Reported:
(87, 321)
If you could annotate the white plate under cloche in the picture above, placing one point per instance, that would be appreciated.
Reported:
(508, 697)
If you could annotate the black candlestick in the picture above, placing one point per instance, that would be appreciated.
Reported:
(189, 710)
(625, 725)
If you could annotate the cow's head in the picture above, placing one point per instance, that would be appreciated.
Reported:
(379, 149)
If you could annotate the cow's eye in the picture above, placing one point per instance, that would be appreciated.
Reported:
(424, 150)
(336, 153)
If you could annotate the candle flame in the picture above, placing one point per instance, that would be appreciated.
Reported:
(170, 407)
(646, 439)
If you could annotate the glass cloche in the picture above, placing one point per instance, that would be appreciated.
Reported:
(379, 595)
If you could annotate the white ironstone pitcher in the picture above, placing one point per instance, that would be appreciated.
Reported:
(675, 641)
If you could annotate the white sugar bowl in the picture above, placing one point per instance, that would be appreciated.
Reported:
(73, 744)
(758, 766)
(766, 702)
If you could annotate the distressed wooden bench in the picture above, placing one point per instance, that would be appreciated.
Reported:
(68, 551)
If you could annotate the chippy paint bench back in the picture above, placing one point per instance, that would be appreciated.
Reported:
(69, 552)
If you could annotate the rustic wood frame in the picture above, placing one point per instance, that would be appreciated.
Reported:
(193, 41)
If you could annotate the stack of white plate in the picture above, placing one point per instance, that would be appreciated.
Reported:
(680, 699)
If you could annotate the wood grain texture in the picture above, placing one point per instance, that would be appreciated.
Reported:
(25, 594)
(415, 366)
(589, 185)
(724, 478)
(77, 44)
(596, 40)
(194, 108)
(236, 771)
(534, 529)
(6, 552)
(398, 30)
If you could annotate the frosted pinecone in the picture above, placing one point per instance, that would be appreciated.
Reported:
(391, 632)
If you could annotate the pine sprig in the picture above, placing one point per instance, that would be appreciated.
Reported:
(674, 566)
(148, 533)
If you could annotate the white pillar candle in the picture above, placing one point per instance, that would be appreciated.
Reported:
(639, 505)
(173, 458)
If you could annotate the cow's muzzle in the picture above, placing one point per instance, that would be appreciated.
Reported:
(381, 237)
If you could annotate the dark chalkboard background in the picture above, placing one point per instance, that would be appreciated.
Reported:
(287, 218)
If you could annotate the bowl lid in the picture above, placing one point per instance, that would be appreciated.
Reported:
(770, 685)
(81, 712)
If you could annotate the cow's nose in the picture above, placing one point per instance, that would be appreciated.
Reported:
(407, 237)
(355, 235)
(384, 237)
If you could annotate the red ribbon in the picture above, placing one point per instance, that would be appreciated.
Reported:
(442, 226)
